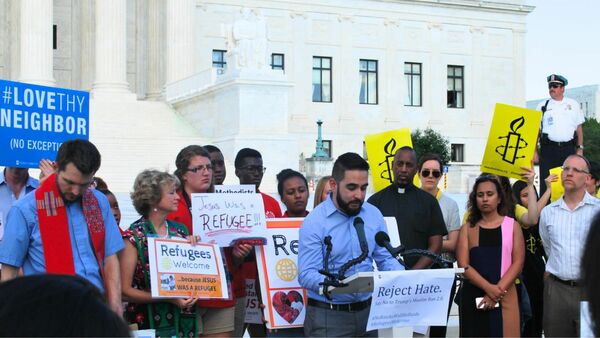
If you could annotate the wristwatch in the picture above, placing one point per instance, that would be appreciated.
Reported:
(580, 146)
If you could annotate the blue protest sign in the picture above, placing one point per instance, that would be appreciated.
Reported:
(36, 120)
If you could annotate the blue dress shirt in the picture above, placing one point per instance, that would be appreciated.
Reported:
(22, 242)
(8, 198)
(326, 220)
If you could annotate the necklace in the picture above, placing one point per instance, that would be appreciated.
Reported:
(166, 235)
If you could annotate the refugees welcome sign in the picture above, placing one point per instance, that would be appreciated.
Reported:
(36, 120)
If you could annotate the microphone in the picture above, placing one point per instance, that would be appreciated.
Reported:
(383, 240)
(359, 225)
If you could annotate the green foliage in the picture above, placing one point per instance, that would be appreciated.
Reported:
(429, 141)
(591, 139)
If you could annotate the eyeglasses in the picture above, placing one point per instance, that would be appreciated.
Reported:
(577, 170)
(554, 85)
(254, 168)
(201, 168)
(434, 173)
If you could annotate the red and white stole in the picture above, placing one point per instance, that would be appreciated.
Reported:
(54, 227)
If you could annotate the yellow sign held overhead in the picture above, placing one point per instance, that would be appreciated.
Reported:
(381, 149)
(511, 141)
(556, 188)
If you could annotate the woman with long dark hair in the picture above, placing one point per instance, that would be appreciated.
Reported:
(490, 248)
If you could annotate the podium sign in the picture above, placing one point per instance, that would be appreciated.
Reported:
(410, 298)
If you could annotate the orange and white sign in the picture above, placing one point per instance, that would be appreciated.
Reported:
(284, 298)
(179, 269)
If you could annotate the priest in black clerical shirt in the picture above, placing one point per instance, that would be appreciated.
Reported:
(418, 214)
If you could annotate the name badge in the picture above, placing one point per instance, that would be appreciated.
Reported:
(550, 120)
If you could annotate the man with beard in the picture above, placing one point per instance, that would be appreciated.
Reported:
(343, 315)
(418, 214)
(64, 227)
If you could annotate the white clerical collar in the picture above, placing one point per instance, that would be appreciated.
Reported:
(401, 190)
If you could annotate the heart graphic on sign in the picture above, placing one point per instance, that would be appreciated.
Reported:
(288, 305)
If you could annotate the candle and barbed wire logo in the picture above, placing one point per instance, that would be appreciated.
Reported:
(386, 165)
(514, 142)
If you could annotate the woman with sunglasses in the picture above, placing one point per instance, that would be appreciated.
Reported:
(491, 249)
(430, 174)
(194, 170)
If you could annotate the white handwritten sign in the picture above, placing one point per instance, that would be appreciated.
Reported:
(227, 217)
(235, 189)
(284, 298)
(410, 298)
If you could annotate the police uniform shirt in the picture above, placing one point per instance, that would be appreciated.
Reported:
(417, 213)
(561, 119)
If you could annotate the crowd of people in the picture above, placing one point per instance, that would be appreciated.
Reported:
(526, 269)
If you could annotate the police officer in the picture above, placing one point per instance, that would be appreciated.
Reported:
(561, 132)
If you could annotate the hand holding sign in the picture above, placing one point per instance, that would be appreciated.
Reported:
(228, 217)
(511, 141)
(556, 186)
(528, 175)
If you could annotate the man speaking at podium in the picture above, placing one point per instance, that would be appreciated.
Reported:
(347, 225)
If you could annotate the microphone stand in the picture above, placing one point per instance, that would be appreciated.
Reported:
(402, 251)
(333, 279)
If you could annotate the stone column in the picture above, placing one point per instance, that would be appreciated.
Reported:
(180, 39)
(37, 55)
(155, 49)
(111, 47)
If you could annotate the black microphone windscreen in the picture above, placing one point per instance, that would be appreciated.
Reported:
(381, 238)
(358, 220)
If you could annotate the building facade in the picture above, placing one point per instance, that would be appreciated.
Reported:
(158, 72)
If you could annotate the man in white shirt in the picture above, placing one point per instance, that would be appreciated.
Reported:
(561, 133)
(564, 226)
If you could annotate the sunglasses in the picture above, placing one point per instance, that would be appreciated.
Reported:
(434, 173)
(554, 85)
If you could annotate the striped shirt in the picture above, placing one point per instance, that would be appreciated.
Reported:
(563, 232)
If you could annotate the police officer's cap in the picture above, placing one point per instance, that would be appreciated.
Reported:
(555, 78)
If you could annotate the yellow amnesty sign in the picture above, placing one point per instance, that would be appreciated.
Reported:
(512, 140)
(557, 189)
(381, 148)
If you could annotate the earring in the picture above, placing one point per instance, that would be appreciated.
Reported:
(155, 210)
